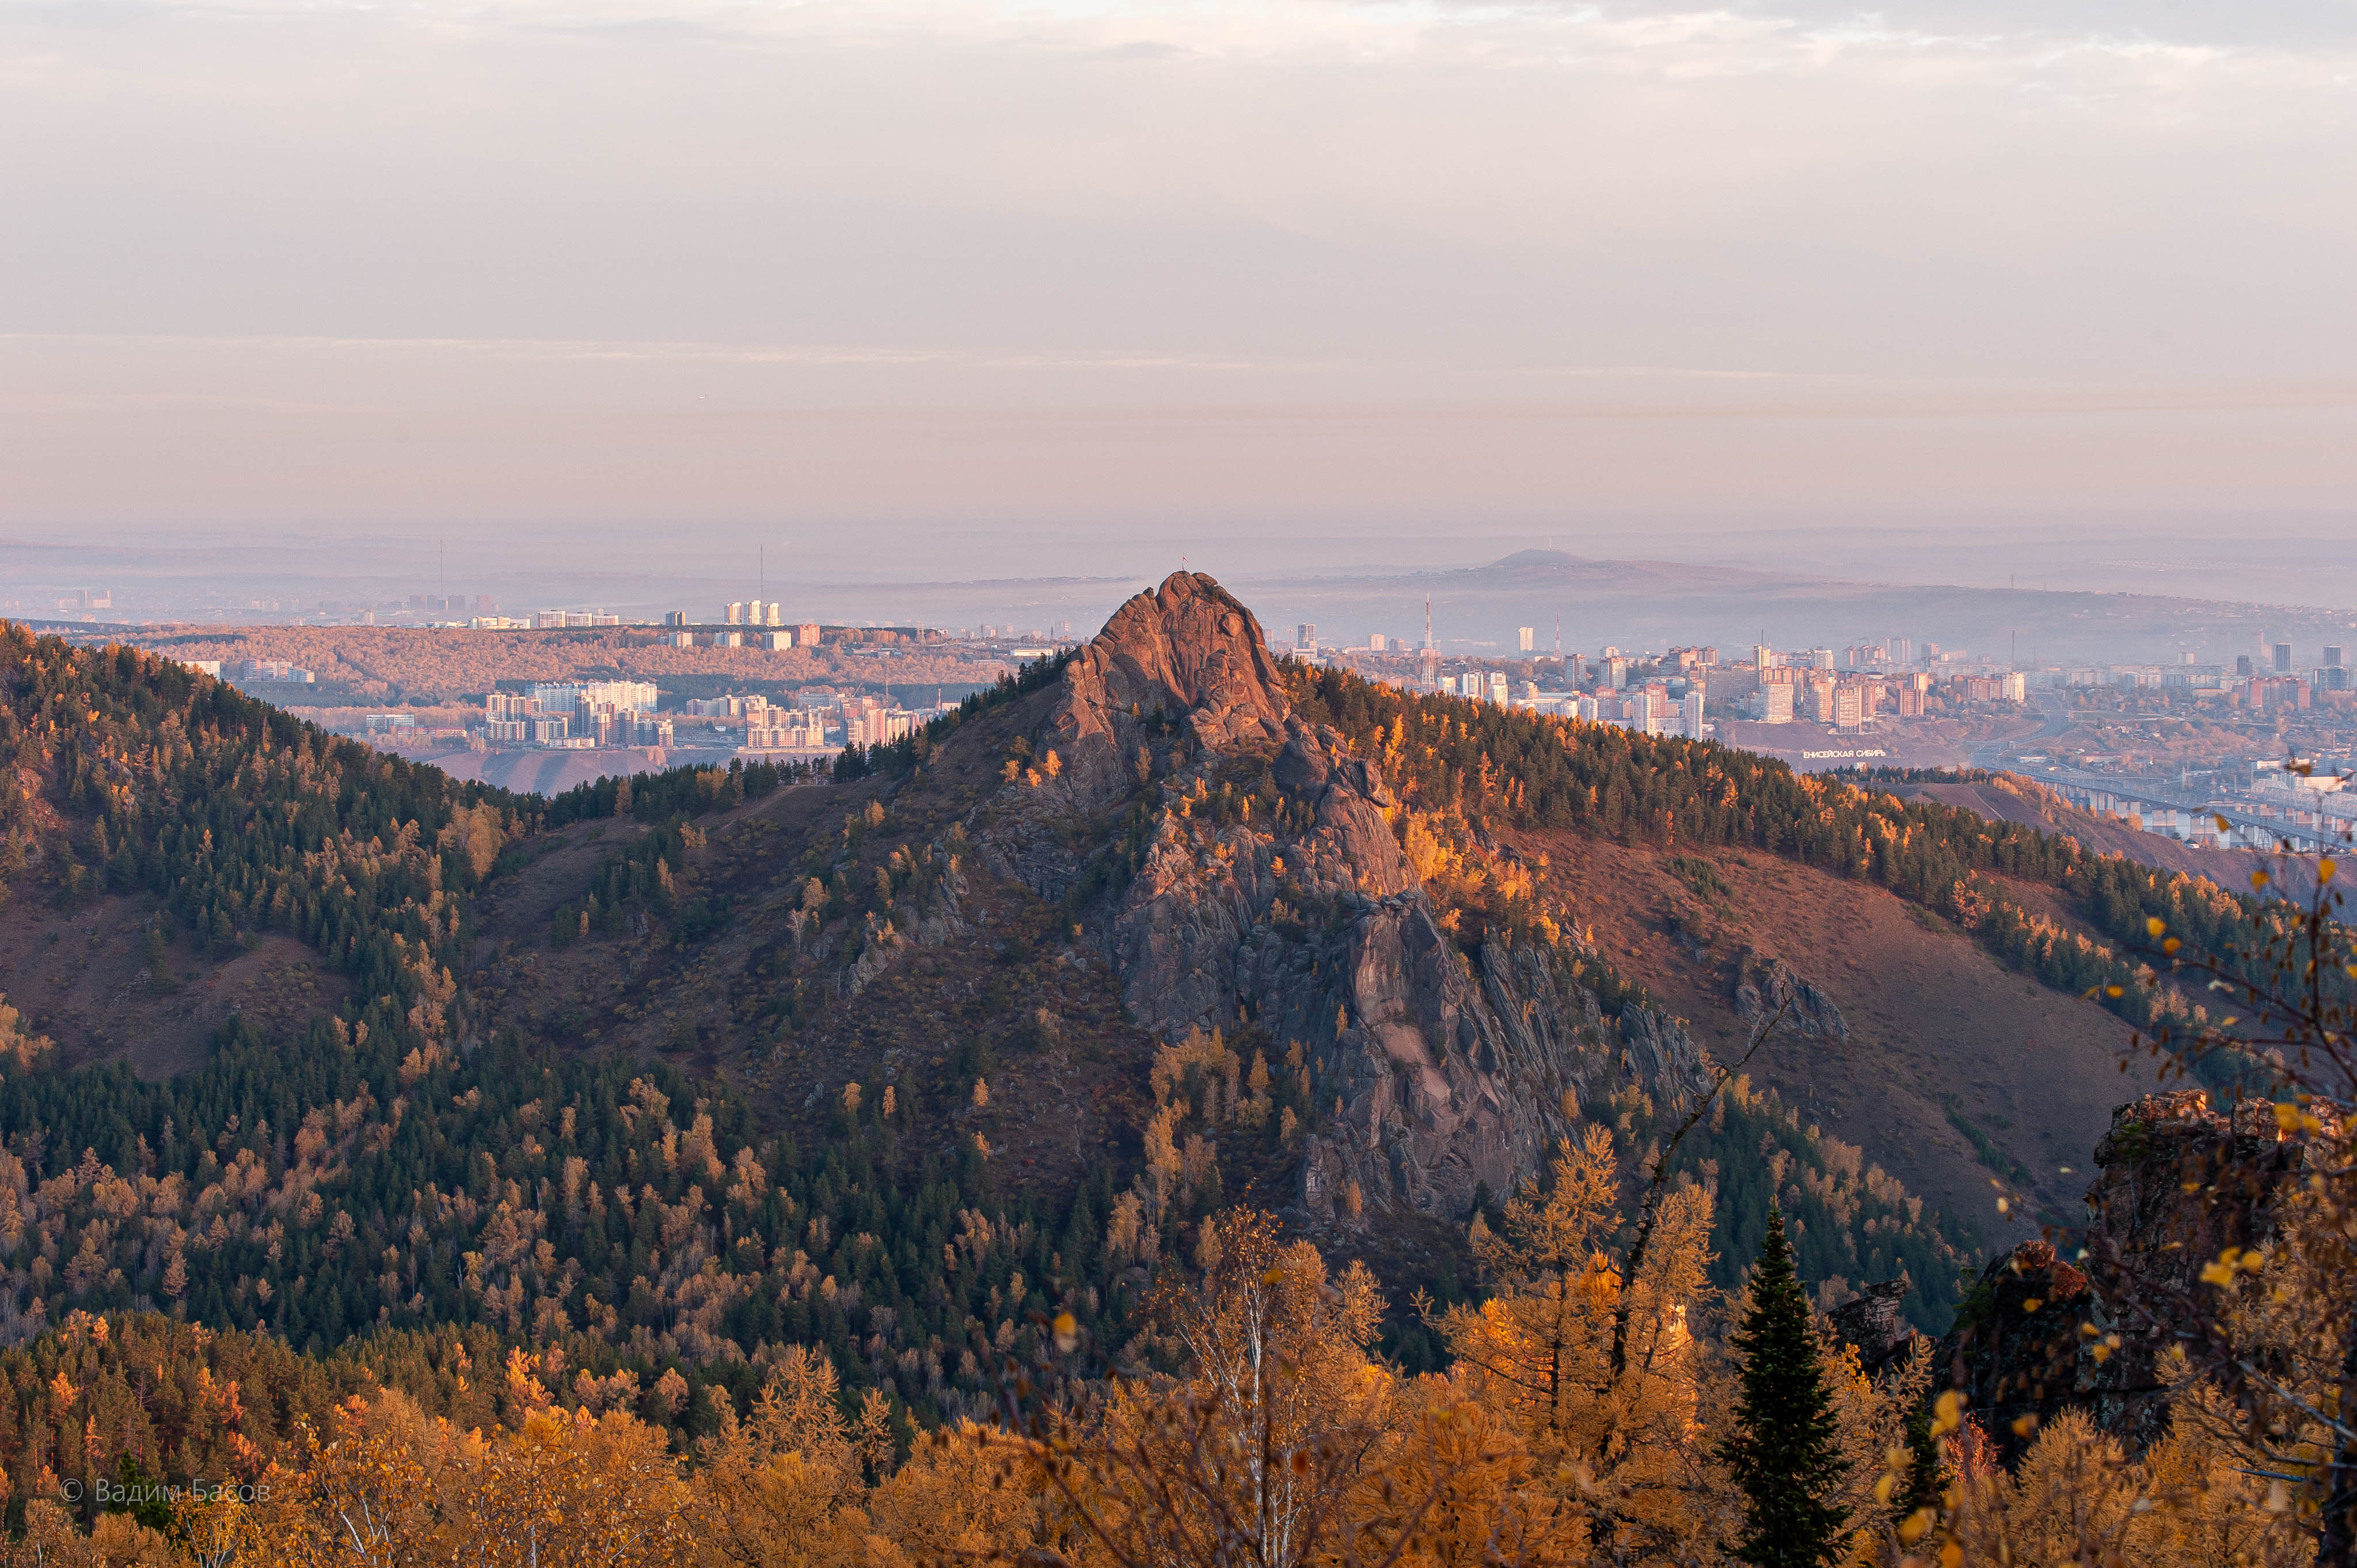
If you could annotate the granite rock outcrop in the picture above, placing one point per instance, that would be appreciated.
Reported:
(2177, 1182)
(1438, 1069)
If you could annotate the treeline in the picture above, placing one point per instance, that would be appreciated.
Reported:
(686, 791)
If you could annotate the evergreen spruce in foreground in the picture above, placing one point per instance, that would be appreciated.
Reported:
(1782, 1449)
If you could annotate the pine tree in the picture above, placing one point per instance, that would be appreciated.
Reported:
(1924, 1482)
(1782, 1450)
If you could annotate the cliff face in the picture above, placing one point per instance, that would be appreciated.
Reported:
(2177, 1183)
(1438, 1070)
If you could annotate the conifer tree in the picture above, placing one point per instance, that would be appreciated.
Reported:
(1783, 1450)
(1923, 1483)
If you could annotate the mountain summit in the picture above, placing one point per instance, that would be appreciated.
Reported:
(1267, 891)
(1190, 648)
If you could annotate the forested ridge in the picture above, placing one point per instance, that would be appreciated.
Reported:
(1459, 761)
(397, 1172)
(493, 1186)
(130, 774)
(406, 1217)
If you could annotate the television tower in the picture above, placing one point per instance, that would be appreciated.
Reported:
(1431, 654)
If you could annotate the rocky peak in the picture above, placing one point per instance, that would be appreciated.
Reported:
(1444, 1068)
(2177, 1180)
(1189, 650)
(1871, 1324)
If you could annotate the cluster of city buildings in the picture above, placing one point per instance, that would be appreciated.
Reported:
(580, 715)
(1671, 692)
(2268, 680)
(773, 633)
(244, 673)
(576, 715)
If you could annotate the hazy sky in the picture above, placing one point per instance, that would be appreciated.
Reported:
(883, 278)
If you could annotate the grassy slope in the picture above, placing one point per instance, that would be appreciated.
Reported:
(81, 978)
(1935, 1022)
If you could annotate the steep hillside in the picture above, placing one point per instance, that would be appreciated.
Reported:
(1906, 1039)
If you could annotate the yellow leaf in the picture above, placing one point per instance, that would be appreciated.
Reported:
(2325, 868)
(1912, 1530)
(2153, 925)
(2033, 1305)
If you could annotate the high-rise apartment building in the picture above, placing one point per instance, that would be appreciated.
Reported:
(1776, 704)
(736, 612)
(1498, 687)
(1690, 716)
(2283, 658)
(1526, 637)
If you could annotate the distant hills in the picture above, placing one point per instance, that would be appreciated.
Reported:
(1638, 603)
